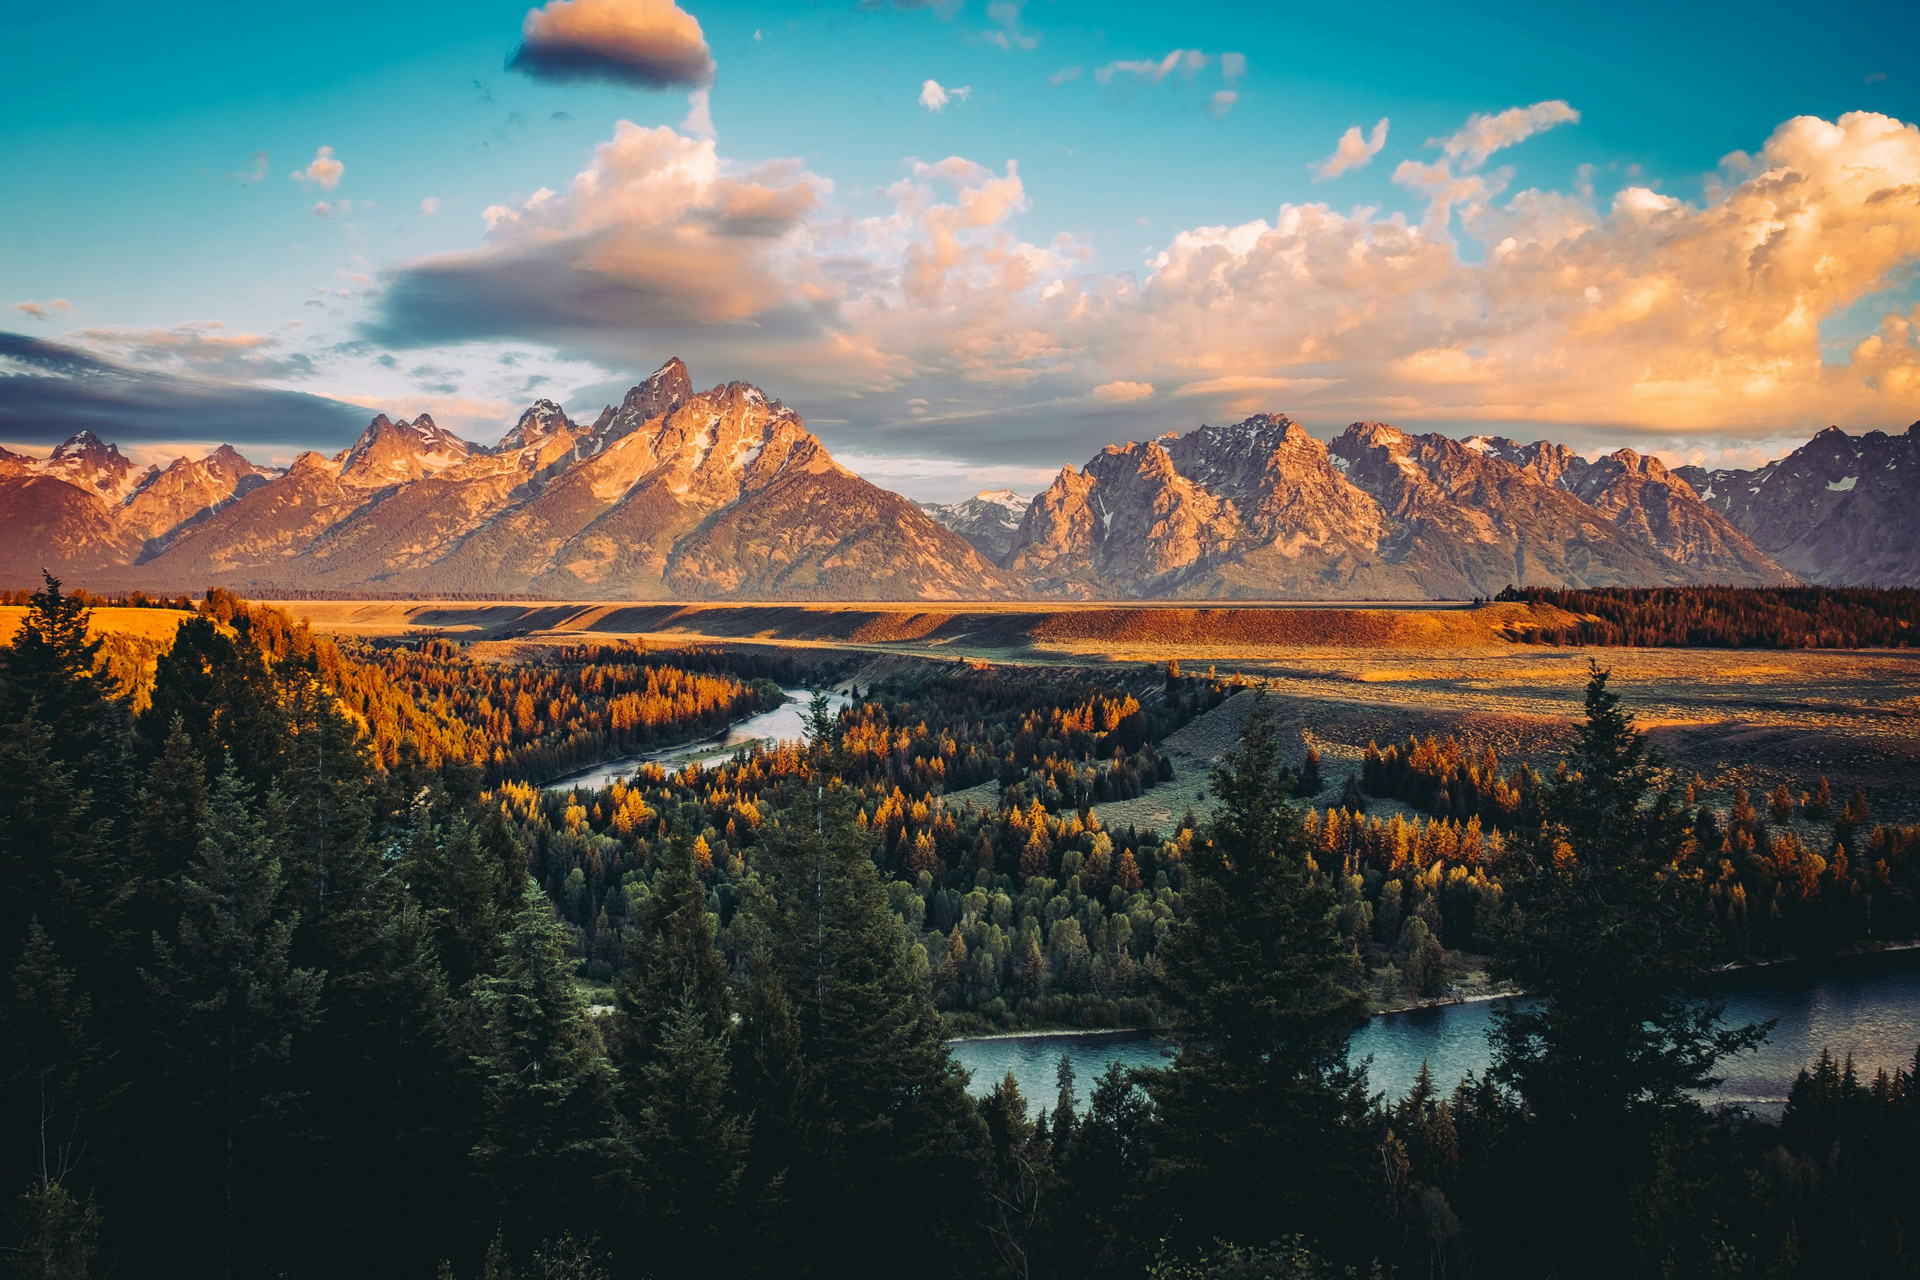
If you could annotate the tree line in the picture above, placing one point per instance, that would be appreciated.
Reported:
(271, 1008)
(1727, 617)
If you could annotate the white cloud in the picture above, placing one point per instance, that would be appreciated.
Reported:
(935, 98)
(256, 170)
(1187, 62)
(1064, 75)
(651, 44)
(323, 171)
(1233, 66)
(1483, 134)
(337, 209)
(429, 206)
(1222, 102)
(1650, 313)
(1122, 392)
(43, 310)
(699, 121)
(1353, 151)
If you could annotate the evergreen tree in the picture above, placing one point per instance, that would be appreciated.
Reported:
(1259, 980)
(691, 1146)
(59, 1235)
(51, 671)
(883, 1119)
(550, 1136)
(1608, 935)
(53, 1083)
(229, 999)
(672, 964)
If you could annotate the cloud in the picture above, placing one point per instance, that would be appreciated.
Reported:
(206, 348)
(935, 98)
(50, 390)
(657, 233)
(256, 170)
(1222, 102)
(429, 206)
(1065, 75)
(323, 171)
(699, 121)
(1233, 66)
(1353, 151)
(1186, 61)
(1484, 134)
(650, 44)
(337, 209)
(941, 317)
(43, 310)
(1009, 34)
(1121, 392)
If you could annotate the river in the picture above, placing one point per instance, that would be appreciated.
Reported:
(784, 723)
(1866, 1006)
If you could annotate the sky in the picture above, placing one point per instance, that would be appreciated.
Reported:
(968, 242)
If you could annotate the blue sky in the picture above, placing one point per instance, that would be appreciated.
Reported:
(1074, 296)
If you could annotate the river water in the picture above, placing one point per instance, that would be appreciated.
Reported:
(786, 722)
(1868, 1007)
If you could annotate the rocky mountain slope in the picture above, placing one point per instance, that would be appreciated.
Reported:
(724, 494)
(1842, 510)
(675, 494)
(988, 519)
(1262, 509)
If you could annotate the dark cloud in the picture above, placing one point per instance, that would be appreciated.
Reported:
(49, 391)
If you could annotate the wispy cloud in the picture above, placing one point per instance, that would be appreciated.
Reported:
(1353, 151)
(1485, 133)
(43, 310)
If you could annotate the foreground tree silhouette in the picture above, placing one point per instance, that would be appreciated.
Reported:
(878, 1113)
(1608, 935)
(1261, 982)
(229, 1000)
(550, 1134)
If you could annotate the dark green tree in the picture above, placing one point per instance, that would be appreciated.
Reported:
(690, 1146)
(1261, 983)
(550, 1142)
(230, 1002)
(883, 1119)
(1609, 935)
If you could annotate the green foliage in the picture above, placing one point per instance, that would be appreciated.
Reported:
(1261, 982)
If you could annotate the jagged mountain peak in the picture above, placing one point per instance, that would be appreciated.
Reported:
(390, 452)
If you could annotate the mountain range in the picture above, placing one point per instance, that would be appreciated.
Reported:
(724, 494)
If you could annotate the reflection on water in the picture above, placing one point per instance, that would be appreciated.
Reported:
(785, 723)
(1868, 1007)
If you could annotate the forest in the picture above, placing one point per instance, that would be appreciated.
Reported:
(1729, 617)
(293, 984)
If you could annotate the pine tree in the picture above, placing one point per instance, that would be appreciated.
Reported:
(690, 1145)
(51, 670)
(671, 961)
(59, 1235)
(1608, 936)
(548, 1134)
(52, 1080)
(883, 1119)
(230, 1001)
(1259, 980)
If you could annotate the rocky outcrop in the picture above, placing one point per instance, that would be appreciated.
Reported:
(1841, 510)
(1639, 495)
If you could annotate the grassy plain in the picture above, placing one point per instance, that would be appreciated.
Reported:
(146, 624)
(1342, 676)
